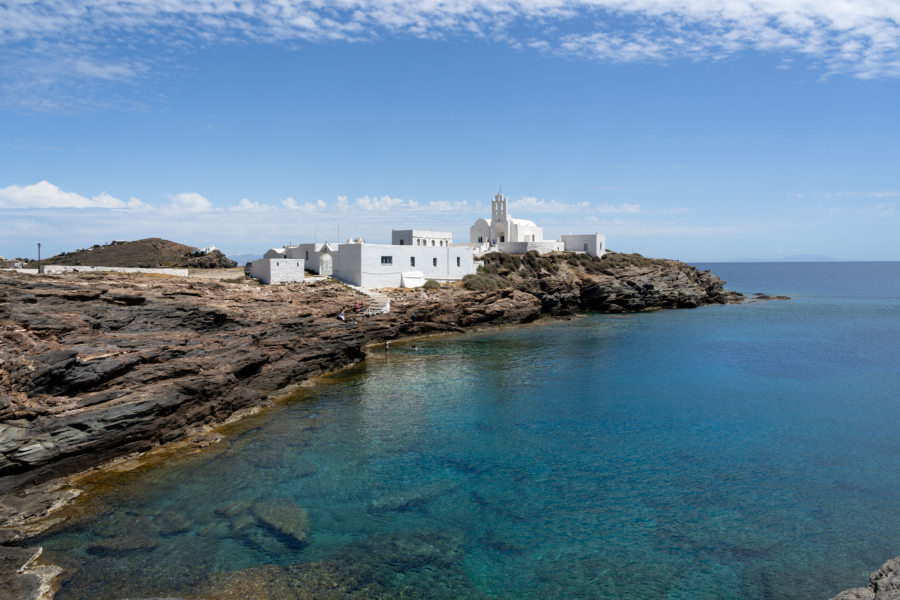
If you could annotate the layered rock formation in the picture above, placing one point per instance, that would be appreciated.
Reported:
(100, 365)
(567, 283)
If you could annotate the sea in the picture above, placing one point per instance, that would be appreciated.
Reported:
(744, 451)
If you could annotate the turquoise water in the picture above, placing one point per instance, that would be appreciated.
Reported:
(743, 451)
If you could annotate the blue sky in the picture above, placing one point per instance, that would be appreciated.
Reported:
(701, 130)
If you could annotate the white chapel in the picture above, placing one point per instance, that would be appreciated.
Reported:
(502, 227)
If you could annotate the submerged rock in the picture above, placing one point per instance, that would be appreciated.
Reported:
(124, 543)
(409, 499)
(422, 564)
(13, 582)
(172, 522)
(284, 517)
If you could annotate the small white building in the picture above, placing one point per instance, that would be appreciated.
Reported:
(317, 258)
(276, 269)
(402, 265)
(593, 244)
(518, 236)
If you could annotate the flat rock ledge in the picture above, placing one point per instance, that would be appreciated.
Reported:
(884, 584)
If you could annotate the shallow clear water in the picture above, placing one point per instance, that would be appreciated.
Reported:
(726, 452)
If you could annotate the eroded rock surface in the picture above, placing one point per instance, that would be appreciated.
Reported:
(884, 584)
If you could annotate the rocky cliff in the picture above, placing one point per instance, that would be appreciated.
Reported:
(884, 584)
(567, 282)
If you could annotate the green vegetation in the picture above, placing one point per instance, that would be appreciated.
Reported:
(482, 282)
(503, 270)
(431, 284)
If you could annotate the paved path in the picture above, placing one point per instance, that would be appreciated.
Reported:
(379, 303)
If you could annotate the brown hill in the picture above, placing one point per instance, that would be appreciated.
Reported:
(148, 253)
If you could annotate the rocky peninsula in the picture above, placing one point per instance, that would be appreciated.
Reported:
(97, 366)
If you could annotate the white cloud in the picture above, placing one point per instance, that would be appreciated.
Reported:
(46, 195)
(291, 204)
(382, 203)
(445, 206)
(245, 204)
(190, 202)
(622, 208)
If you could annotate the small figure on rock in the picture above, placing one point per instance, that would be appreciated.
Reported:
(341, 315)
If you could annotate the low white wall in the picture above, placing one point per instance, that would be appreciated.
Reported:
(523, 247)
(51, 269)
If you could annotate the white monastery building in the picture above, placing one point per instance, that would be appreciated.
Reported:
(415, 256)
(517, 236)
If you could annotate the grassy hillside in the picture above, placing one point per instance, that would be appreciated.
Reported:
(148, 253)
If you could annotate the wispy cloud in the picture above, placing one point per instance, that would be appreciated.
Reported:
(882, 209)
(46, 40)
(846, 195)
(621, 208)
(539, 205)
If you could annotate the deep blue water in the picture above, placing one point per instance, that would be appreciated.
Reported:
(746, 451)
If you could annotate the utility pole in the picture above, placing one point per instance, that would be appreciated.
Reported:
(39, 257)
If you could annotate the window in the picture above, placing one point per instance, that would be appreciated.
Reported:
(434, 262)
(432, 242)
(307, 255)
(458, 262)
(401, 241)
(585, 246)
(412, 261)
(480, 239)
(387, 260)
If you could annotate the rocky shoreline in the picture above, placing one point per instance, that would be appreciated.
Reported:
(98, 366)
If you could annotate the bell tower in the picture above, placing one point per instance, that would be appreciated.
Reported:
(498, 208)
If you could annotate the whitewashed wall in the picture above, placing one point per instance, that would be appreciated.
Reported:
(523, 247)
(521, 232)
(421, 237)
(310, 253)
(277, 270)
(361, 264)
(481, 229)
